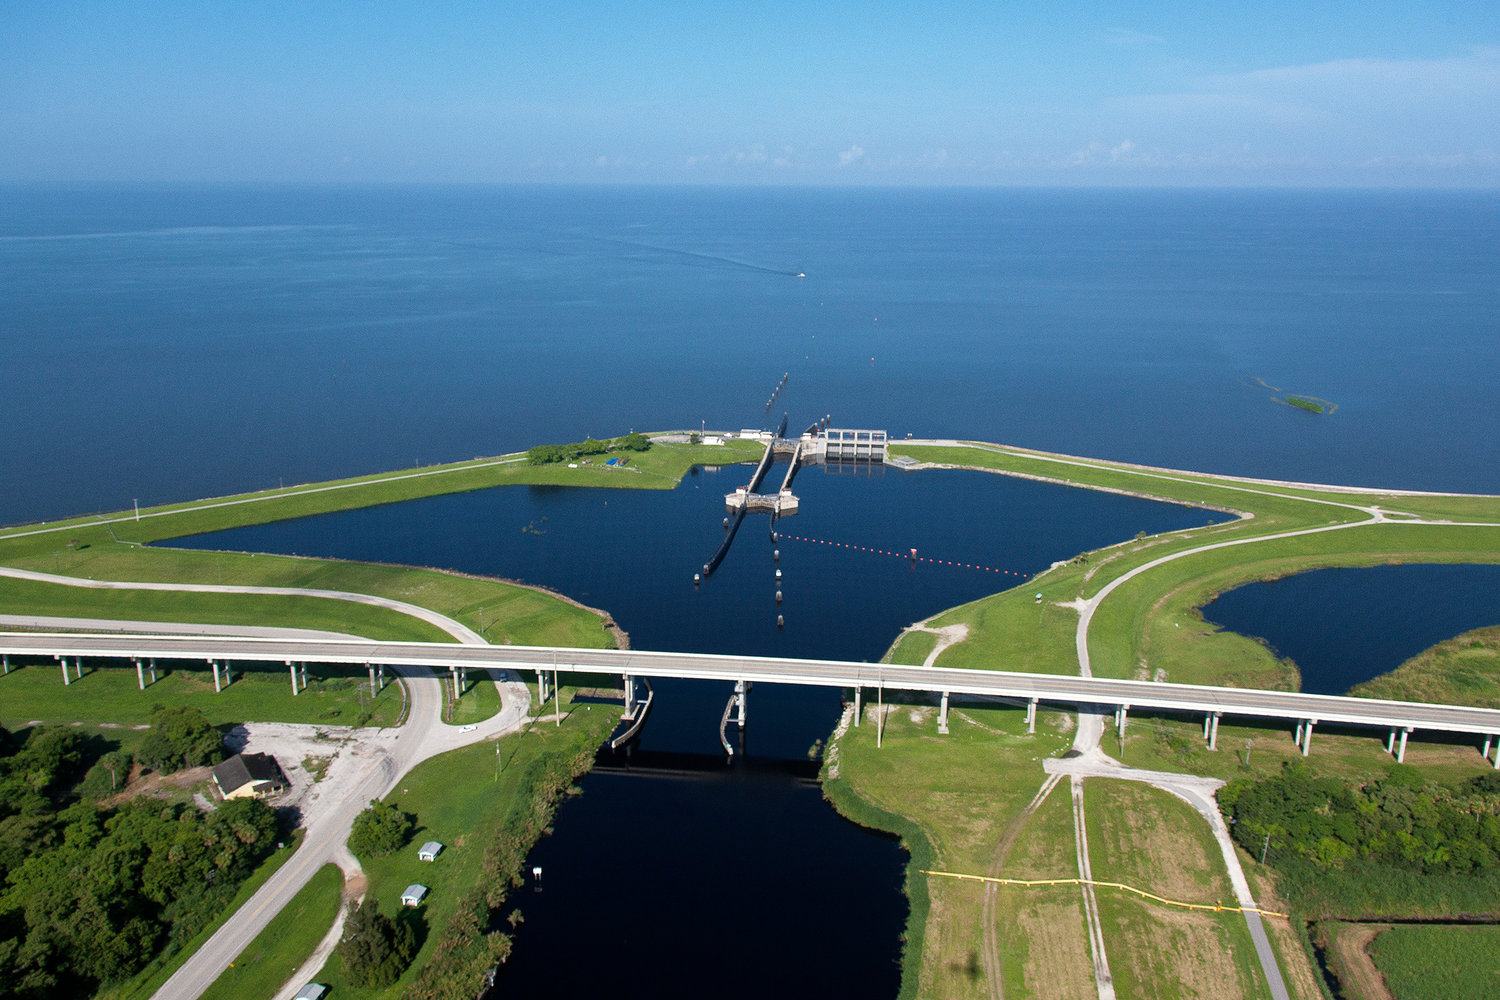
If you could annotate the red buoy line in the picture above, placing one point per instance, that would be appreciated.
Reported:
(910, 555)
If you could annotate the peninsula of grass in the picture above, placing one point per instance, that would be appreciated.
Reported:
(115, 547)
(1149, 625)
(661, 468)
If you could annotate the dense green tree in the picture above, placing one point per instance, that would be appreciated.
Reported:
(635, 441)
(94, 905)
(379, 830)
(1400, 821)
(375, 949)
(108, 775)
(180, 737)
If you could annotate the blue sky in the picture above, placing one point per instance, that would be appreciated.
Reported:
(1394, 93)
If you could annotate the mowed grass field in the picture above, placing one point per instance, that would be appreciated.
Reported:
(1439, 963)
(965, 795)
(1152, 840)
(109, 696)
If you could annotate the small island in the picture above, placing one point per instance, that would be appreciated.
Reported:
(1303, 403)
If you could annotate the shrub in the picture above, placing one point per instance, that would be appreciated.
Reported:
(180, 737)
(380, 830)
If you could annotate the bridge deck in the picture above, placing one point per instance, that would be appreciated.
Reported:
(827, 673)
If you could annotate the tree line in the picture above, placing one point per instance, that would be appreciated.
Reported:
(1400, 843)
(91, 893)
(545, 454)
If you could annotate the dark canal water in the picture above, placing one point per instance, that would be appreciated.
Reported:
(678, 866)
(1345, 626)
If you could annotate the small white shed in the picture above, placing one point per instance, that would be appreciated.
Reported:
(430, 851)
(414, 894)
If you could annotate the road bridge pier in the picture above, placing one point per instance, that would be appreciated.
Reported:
(630, 703)
(1211, 729)
(943, 715)
(1031, 715)
(1304, 735)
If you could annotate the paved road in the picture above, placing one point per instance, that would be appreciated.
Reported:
(1057, 688)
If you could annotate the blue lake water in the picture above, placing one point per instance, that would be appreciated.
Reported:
(181, 342)
(1345, 626)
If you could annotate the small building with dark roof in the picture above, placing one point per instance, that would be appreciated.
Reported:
(249, 775)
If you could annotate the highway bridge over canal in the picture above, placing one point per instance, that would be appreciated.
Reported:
(1399, 719)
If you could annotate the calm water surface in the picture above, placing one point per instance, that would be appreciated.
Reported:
(1345, 626)
(188, 342)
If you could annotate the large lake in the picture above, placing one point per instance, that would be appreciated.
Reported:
(184, 342)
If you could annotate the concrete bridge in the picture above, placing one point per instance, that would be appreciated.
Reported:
(1398, 719)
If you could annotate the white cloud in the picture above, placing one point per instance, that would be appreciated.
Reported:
(851, 156)
(1346, 110)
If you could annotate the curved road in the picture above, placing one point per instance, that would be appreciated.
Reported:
(423, 736)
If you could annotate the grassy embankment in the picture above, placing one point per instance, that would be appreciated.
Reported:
(1148, 627)
(112, 547)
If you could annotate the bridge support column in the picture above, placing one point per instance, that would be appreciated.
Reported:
(217, 686)
(1497, 758)
(7, 662)
(293, 668)
(1212, 725)
(1390, 742)
(379, 677)
(1485, 753)
(629, 695)
(140, 674)
(1307, 728)
(152, 668)
(371, 668)
(1401, 747)
(66, 679)
(541, 686)
(943, 714)
(857, 710)
(1031, 715)
(1121, 714)
(453, 676)
(740, 690)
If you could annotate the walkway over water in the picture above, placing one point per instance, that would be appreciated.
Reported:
(1306, 710)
